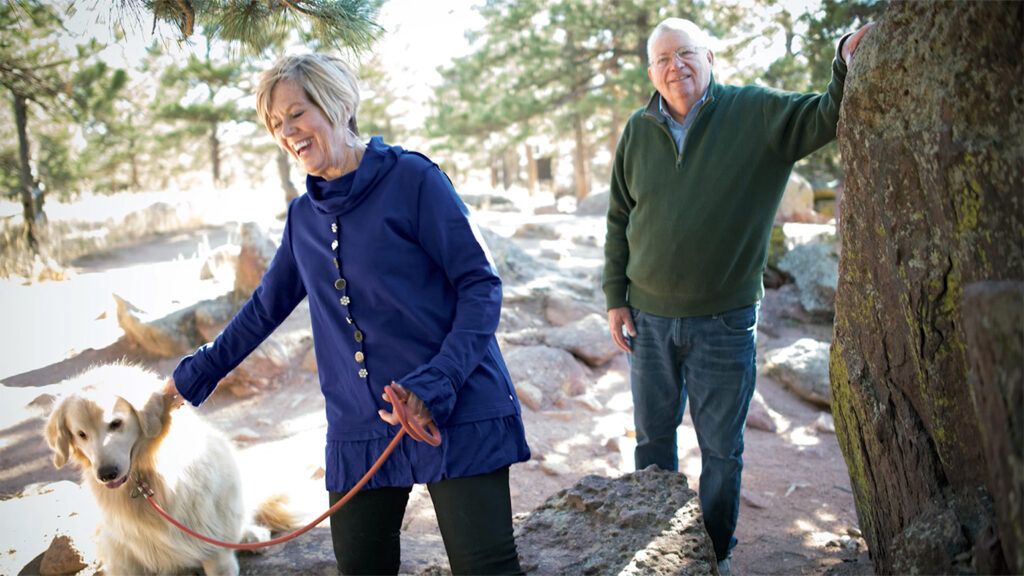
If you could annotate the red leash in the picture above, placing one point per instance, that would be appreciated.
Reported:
(430, 435)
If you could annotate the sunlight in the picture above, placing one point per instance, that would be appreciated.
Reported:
(803, 436)
(621, 402)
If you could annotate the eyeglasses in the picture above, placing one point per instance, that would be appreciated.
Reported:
(686, 54)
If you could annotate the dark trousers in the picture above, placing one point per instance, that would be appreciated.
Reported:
(474, 515)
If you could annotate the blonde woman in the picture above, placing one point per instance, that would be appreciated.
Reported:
(400, 290)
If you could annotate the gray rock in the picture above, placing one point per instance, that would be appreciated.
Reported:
(815, 268)
(648, 522)
(536, 231)
(587, 339)
(561, 308)
(555, 372)
(166, 337)
(595, 204)
(803, 368)
(514, 265)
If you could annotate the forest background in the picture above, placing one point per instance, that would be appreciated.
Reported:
(529, 95)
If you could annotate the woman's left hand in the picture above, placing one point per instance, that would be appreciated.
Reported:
(416, 410)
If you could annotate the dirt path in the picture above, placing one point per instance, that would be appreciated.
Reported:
(797, 505)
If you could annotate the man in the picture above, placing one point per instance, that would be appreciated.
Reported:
(698, 175)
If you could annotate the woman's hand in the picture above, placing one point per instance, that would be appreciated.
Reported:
(415, 409)
(172, 400)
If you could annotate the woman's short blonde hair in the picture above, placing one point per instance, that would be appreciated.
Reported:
(328, 81)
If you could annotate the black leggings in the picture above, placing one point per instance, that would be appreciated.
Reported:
(474, 515)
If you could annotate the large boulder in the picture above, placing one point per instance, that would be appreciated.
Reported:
(645, 523)
(803, 368)
(932, 139)
(797, 201)
(815, 269)
(544, 376)
(587, 339)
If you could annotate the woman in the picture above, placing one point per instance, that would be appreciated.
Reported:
(400, 290)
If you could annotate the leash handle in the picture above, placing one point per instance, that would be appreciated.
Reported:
(430, 435)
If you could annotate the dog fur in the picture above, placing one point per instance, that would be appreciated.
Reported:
(115, 425)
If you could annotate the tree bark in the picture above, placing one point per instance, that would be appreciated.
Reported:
(531, 170)
(931, 138)
(27, 180)
(215, 153)
(285, 172)
(581, 158)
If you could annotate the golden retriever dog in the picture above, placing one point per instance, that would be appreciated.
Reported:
(115, 426)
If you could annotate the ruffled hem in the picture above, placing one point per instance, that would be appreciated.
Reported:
(466, 450)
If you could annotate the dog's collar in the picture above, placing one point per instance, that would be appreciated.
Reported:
(141, 487)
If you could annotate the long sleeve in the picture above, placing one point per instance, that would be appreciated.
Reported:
(450, 240)
(616, 247)
(798, 124)
(279, 292)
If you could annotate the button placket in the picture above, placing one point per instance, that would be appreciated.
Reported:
(341, 284)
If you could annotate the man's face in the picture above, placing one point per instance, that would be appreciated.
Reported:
(680, 69)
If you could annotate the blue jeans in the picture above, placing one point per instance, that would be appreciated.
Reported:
(712, 361)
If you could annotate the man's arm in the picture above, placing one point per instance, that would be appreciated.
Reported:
(797, 124)
(616, 250)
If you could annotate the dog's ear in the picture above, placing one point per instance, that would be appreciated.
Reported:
(57, 435)
(151, 415)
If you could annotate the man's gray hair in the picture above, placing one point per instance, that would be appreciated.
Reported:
(699, 37)
(328, 81)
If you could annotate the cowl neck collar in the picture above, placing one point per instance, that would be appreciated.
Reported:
(336, 197)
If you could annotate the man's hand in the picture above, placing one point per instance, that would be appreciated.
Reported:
(415, 408)
(172, 400)
(850, 46)
(617, 319)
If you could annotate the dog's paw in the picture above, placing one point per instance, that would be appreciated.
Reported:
(253, 534)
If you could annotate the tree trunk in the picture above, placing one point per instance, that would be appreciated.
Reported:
(285, 172)
(531, 170)
(215, 153)
(581, 158)
(28, 203)
(614, 127)
(932, 139)
(508, 168)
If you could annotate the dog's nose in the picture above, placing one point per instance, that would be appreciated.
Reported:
(108, 473)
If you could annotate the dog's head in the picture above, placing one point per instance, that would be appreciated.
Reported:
(109, 410)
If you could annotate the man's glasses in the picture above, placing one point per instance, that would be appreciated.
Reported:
(686, 54)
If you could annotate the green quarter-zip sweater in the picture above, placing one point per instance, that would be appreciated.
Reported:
(688, 231)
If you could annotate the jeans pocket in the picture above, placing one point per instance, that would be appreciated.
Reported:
(740, 319)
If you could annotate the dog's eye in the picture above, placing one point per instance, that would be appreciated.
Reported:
(82, 435)
(115, 424)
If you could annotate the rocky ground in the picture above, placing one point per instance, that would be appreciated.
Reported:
(797, 515)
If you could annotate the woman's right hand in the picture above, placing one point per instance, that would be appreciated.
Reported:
(172, 399)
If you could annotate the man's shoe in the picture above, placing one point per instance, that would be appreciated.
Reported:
(724, 568)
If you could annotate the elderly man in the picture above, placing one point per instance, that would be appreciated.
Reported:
(698, 175)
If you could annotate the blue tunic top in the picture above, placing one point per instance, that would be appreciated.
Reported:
(400, 289)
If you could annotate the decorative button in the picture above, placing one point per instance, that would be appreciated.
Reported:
(334, 244)
(340, 283)
(336, 263)
(363, 373)
(358, 335)
(348, 319)
(359, 356)
(344, 300)
(334, 227)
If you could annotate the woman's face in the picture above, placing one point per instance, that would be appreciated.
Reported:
(302, 129)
